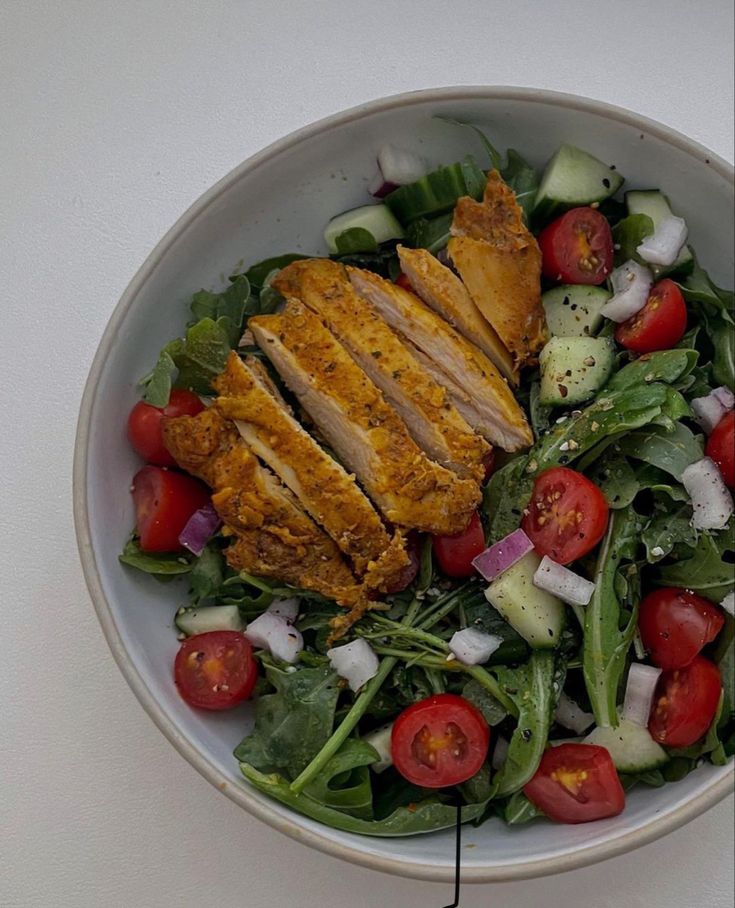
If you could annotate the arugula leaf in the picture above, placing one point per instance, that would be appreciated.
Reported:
(158, 383)
(531, 688)
(720, 328)
(258, 273)
(610, 617)
(355, 239)
(698, 287)
(522, 179)
(493, 711)
(207, 574)
(671, 451)
(165, 564)
(615, 477)
(665, 365)
(518, 810)
(704, 568)
(666, 530)
(226, 308)
(383, 262)
(628, 234)
(294, 723)
(431, 234)
(724, 656)
(344, 783)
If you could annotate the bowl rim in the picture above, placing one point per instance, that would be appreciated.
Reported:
(242, 794)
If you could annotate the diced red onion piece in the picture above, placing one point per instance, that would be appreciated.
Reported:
(379, 187)
(728, 603)
(709, 410)
(711, 499)
(355, 662)
(272, 632)
(502, 555)
(642, 680)
(472, 646)
(285, 608)
(572, 716)
(500, 753)
(199, 529)
(665, 244)
(396, 167)
(631, 284)
(558, 580)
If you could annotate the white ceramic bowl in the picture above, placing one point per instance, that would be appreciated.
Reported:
(278, 201)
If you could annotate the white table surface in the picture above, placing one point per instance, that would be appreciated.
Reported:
(114, 116)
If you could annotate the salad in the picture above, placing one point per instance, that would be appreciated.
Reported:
(453, 505)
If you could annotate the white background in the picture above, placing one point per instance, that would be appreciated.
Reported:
(114, 116)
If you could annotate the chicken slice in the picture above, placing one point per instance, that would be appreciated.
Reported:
(440, 288)
(476, 387)
(326, 491)
(365, 432)
(499, 262)
(424, 405)
(272, 536)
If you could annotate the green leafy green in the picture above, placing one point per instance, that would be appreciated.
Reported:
(429, 233)
(628, 234)
(164, 564)
(293, 723)
(383, 262)
(493, 711)
(522, 179)
(670, 451)
(610, 617)
(616, 478)
(344, 783)
(258, 274)
(706, 569)
(207, 574)
(159, 383)
(665, 366)
(226, 308)
(668, 528)
(355, 239)
(531, 687)
(518, 810)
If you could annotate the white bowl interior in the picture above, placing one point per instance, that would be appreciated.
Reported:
(280, 204)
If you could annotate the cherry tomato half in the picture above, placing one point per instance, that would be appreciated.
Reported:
(488, 463)
(144, 425)
(164, 502)
(215, 670)
(577, 248)
(675, 624)
(440, 741)
(659, 325)
(576, 783)
(721, 448)
(567, 515)
(403, 281)
(685, 703)
(454, 554)
(407, 575)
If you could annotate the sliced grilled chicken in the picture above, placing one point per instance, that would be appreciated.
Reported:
(366, 433)
(326, 491)
(272, 536)
(425, 406)
(477, 389)
(440, 288)
(499, 262)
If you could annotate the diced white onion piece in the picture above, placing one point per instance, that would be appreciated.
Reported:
(500, 753)
(728, 603)
(286, 608)
(400, 166)
(380, 739)
(563, 583)
(642, 681)
(711, 499)
(665, 244)
(355, 662)
(472, 646)
(709, 410)
(272, 632)
(502, 555)
(631, 284)
(572, 716)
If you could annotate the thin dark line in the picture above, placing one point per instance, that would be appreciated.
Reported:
(457, 858)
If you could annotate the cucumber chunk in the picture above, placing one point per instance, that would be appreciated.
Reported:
(573, 310)
(653, 203)
(374, 224)
(437, 192)
(631, 747)
(535, 614)
(574, 177)
(191, 621)
(573, 369)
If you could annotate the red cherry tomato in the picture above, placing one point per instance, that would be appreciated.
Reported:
(403, 281)
(576, 783)
(454, 554)
(144, 425)
(440, 741)
(675, 624)
(164, 502)
(685, 703)
(659, 325)
(567, 515)
(488, 462)
(215, 670)
(577, 248)
(721, 448)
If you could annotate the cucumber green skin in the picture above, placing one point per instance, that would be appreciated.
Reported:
(564, 355)
(654, 203)
(436, 192)
(535, 614)
(573, 178)
(573, 310)
(191, 621)
(631, 747)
